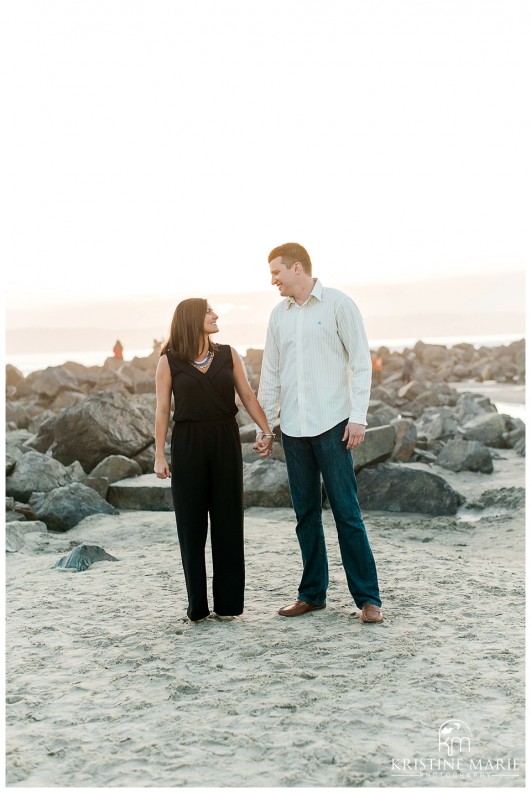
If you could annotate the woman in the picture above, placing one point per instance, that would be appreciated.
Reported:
(206, 458)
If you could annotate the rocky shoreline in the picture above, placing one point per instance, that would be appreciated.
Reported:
(79, 440)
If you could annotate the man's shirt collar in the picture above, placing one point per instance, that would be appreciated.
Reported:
(316, 292)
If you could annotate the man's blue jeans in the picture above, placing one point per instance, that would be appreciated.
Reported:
(306, 460)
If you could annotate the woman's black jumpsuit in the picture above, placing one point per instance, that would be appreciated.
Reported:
(206, 480)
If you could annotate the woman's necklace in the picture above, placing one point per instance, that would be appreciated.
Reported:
(205, 362)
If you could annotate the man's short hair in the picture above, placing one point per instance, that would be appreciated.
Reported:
(290, 253)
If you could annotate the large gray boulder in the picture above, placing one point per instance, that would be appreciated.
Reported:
(397, 488)
(428, 399)
(406, 440)
(63, 508)
(146, 458)
(86, 376)
(17, 414)
(378, 445)
(461, 372)
(381, 394)
(147, 405)
(35, 472)
(144, 492)
(489, 370)
(98, 483)
(13, 455)
(265, 484)
(66, 399)
(115, 380)
(17, 439)
(103, 424)
(16, 510)
(380, 414)
(438, 423)
(461, 455)
(24, 387)
(40, 418)
(13, 375)
(489, 430)
(469, 406)
(24, 413)
(116, 467)
(515, 438)
(143, 381)
(431, 354)
(412, 390)
(43, 438)
(53, 380)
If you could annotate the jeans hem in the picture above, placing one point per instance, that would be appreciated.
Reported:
(310, 602)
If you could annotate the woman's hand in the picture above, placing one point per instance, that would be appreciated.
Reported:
(264, 446)
(161, 468)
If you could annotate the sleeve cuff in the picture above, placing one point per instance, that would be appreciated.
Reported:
(358, 418)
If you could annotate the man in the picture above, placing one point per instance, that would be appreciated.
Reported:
(317, 370)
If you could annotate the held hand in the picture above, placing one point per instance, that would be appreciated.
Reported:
(161, 468)
(263, 446)
(354, 435)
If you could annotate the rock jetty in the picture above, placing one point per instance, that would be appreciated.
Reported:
(79, 440)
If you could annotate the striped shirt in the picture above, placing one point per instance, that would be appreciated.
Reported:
(316, 367)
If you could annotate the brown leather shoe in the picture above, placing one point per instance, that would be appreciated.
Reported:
(371, 613)
(298, 608)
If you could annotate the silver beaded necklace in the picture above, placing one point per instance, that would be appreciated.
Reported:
(205, 361)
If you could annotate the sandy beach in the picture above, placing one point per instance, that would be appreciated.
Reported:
(108, 685)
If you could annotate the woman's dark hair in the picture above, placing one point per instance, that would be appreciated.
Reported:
(187, 329)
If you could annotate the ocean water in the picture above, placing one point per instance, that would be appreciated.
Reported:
(511, 409)
(33, 362)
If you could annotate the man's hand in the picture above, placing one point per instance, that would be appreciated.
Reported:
(354, 435)
(263, 446)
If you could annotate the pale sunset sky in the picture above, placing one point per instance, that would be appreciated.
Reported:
(159, 147)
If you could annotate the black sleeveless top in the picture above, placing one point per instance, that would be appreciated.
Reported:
(203, 396)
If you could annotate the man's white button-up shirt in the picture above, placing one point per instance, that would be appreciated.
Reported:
(316, 367)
